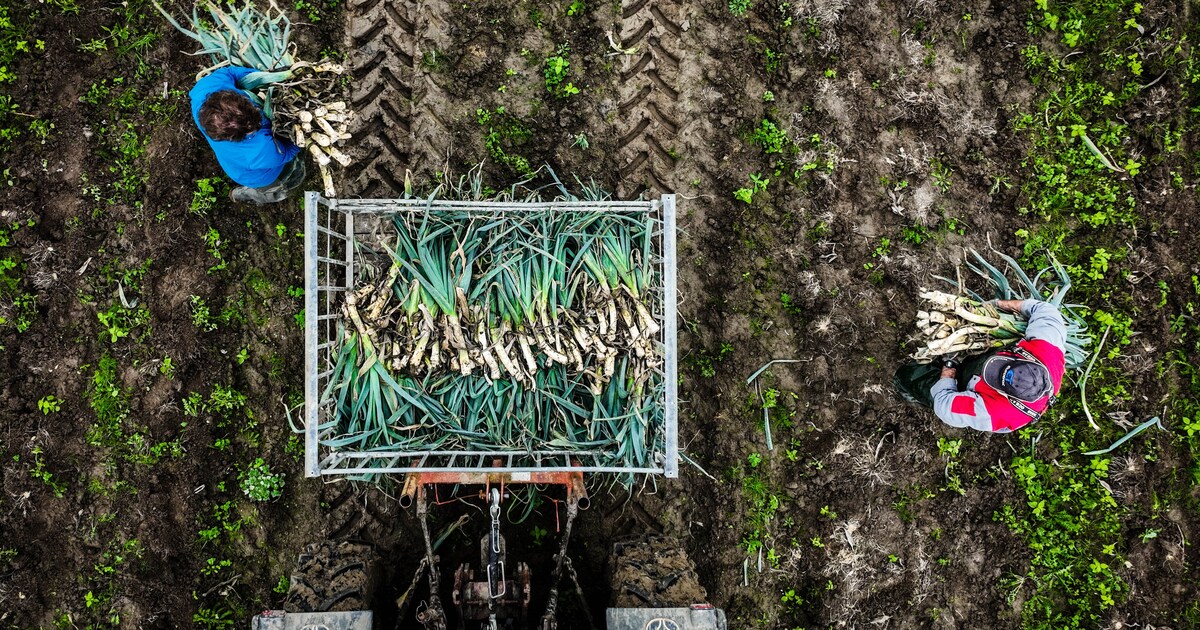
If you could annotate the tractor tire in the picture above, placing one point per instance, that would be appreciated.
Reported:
(357, 513)
(654, 573)
(332, 577)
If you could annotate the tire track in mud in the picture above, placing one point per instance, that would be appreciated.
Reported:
(648, 107)
(356, 513)
(430, 130)
(656, 96)
(396, 127)
(669, 92)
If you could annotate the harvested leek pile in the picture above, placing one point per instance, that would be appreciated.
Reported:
(519, 330)
(961, 322)
(302, 99)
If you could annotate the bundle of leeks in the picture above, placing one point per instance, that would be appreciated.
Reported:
(302, 99)
(964, 323)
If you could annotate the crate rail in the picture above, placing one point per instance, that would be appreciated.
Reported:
(329, 264)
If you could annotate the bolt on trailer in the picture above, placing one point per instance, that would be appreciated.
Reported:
(490, 343)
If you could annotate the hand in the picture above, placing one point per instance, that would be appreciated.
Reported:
(1009, 306)
(950, 366)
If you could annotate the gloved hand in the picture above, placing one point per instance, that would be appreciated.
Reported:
(994, 303)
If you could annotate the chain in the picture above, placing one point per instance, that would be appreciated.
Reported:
(433, 617)
(579, 591)
(549, 619)
(495, 568)
(495, 511)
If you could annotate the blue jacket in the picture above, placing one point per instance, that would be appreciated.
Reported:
(255, 161)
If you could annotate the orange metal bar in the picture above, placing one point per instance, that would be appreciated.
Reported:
(571, 481)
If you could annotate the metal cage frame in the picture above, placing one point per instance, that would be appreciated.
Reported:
(329, 270)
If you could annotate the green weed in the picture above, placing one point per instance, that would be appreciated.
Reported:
(1073, 525)
(39, 472)
(772, 60)
(789, 305)
(41, 129)
(763, 506)
(17, 307)
(193, 404)
(555, 69)
(915, 234)
(204, 198)
(786, 158)
(201, 316)
(906, 499)
(10, 129)
(941, 175)
(818, 232)
(315, 10)
(791, 600)
(224, 525)
(258, 483)
(949, 449)
(15, 41)
(110, 402)
(706, 362)
(224, 401)
(49, 404)
(219, 618)
(119, 322)
(215, 246)
(505, 132)
(758, 184)
(770, 138)
(213, 566)
(1078, 187)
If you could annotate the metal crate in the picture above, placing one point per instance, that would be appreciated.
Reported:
(331, 229)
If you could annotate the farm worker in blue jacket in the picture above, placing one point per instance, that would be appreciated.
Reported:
(1001, 390)
(264, 166)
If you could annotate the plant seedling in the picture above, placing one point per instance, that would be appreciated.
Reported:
(49, 404)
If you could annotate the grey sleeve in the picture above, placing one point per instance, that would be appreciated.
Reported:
(1045, 322)
(951, 406)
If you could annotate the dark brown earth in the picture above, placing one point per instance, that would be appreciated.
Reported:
(670, 114)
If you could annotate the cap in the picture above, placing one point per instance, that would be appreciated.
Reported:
(1021, 379)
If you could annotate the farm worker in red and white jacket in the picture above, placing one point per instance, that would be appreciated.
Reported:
(1008, 388)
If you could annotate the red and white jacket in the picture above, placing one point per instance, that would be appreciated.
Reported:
(981, 406)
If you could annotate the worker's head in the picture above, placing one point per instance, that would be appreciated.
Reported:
(229, 115)
(1021, 379)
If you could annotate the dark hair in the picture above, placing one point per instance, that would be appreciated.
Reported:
(229, 115)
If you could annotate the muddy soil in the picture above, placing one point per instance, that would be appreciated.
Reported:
(871, 526)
